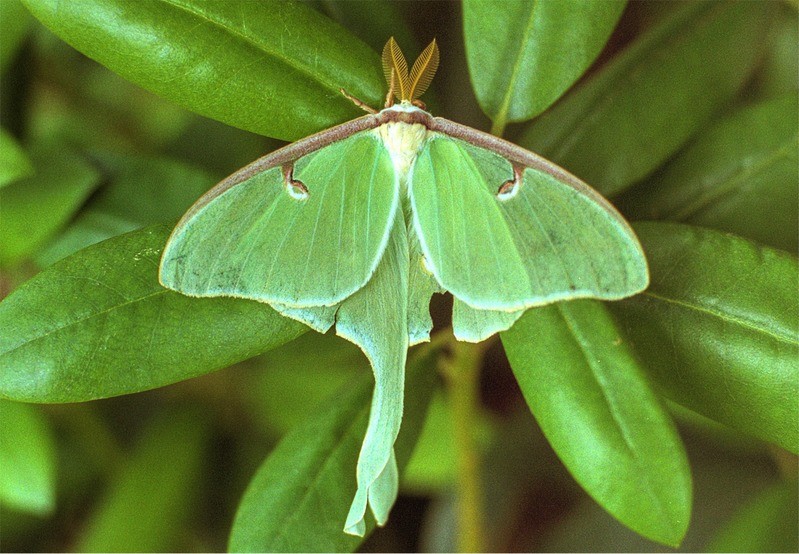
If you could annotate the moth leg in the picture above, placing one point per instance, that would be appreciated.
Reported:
(360, 103)
(419, 104)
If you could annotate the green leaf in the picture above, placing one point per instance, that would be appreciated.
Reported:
(143, 191)
(741, 175)
(635, 112)
(152, 495)
(272, 68)
(312, 367)
(219, 148)
(14, 23)
(36, 207)
(596, 408)
(27, 459)
(777, 73)
(98, 324)
(431, 469)
(766, 524)
(150, 190)
(85, 105)
(88, 228)
(299, 498)
(373, 21)
(523, 55)
(14, 163)
(718, 328)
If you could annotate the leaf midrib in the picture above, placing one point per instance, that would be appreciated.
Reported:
(728, 185)
(504, 108)
(776, 335)
(81, 320)
(288, 519)
(636, 458)
(315, 77)
(605, 96)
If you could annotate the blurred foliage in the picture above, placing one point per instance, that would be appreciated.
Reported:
(688, 116)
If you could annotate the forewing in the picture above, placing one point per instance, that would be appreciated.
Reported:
(261, 239)
(542, 240)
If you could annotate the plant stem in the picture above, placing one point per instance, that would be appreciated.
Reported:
(462, 372)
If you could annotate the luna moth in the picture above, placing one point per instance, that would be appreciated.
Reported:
(359, 225)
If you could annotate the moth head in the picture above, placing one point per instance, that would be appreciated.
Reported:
(408, 87)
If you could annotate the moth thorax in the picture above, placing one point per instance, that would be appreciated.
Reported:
(403, 141)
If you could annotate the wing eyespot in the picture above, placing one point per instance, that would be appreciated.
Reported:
(510, 188)
(507, 190)
(294, 187)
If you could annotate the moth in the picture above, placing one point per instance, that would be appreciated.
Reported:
(359, 225)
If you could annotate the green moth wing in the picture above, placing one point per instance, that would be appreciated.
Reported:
(304, 232)
(358, 226)
(471, 325)
(503, 229)
(378, 319)
(422, 285)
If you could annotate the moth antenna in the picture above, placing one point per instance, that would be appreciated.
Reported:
(360, 103)
(391, 88)
(423, 71)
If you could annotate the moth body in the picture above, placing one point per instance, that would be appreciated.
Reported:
(403, 141)
(313, 230)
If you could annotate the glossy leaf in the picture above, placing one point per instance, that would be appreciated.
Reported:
(523, 55)
(766, 524)
(718, 328)
(373, 21)
(271, 68)
(431, 469)
(27, 459)
(36, 207)
(14, 163)
(98, 324)
(14, 23)
(598, 411)
(299, 498)
(629, 117)
(142, 191)
(153, 493)
(741, 175)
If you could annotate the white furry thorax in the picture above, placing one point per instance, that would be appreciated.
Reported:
(403, 140)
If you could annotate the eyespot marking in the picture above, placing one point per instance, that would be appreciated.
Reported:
(510, 188)
(507, 190)
(295, 188)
